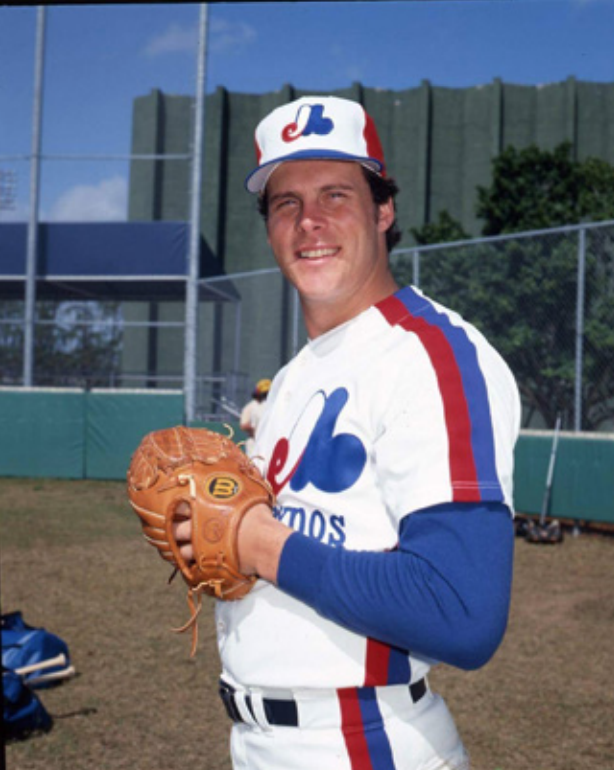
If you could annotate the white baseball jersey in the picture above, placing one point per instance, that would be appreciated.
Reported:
(404, 407)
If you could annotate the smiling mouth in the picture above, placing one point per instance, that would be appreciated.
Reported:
(317, 253)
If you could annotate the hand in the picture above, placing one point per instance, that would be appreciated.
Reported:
(182, 530)
(260, 541)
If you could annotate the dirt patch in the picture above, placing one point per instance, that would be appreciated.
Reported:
(74, 562)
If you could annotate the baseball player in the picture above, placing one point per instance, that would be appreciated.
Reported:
(252, 413)
(388, 441)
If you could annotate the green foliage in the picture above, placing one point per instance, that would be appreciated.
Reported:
(74, 343)
(596, 199)
(524, 302)
(522, 292)
(445, 230)
(534, 189)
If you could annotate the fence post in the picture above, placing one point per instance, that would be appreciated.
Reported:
(416, 268)
(236, 361)
(191, 300)
(33, 224)
(579, 329)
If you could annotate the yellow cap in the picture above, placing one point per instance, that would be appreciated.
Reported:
(263, 386)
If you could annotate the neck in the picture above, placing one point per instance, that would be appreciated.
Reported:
(320, 317)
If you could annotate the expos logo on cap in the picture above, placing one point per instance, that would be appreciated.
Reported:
(309, 120)
(315, 128)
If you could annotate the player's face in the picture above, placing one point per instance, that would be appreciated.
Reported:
(328, 237)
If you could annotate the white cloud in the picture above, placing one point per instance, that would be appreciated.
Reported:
(175, 39)
(105, 202)
(222, 36)
(19, 213)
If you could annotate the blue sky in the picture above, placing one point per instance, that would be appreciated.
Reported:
(100, 57)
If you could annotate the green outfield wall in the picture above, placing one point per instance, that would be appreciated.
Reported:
(77, 434)
(583, 476)
(42, 433)
(439, 144)
(115, 423)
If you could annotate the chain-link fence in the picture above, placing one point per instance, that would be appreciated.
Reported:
(544, 299)
(248, 326)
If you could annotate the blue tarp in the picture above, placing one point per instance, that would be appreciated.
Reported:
(102, 260)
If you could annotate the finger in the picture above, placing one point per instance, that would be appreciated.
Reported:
(183, 531)
(187, 552)
(183, 510)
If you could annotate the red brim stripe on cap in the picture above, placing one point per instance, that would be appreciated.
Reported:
(374, 147)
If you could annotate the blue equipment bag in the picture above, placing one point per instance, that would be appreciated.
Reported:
(24, 645)
(23, 712)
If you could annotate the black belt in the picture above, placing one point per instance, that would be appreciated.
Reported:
(285, 712)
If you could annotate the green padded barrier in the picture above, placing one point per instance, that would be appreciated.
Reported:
(583, 478)
(117, 420)
(42, 432)
(67, 433)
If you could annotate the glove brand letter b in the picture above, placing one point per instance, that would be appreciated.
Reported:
(222, 487)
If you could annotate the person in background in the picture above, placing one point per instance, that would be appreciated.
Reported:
(252, 412)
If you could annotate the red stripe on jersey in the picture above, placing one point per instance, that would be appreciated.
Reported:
(351, 727)
(378, 658)
(456, 410)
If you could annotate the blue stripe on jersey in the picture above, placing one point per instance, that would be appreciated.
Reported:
(378, 743)
(399, 669)
(474, 385)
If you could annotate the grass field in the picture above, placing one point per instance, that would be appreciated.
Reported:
(73, 561)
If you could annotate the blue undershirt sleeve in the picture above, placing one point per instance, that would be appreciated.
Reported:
(444, 593)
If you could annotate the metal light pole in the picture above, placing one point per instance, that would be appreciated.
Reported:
(32, 243)
(191, 302)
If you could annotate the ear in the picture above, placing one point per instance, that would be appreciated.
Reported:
(386, 215)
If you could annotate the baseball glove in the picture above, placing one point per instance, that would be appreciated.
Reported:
(180, 469)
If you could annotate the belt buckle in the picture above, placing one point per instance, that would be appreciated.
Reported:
(227, 692)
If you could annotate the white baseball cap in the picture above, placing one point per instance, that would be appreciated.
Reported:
(315, 128)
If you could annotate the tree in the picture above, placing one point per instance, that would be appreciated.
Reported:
(445, 230)
(75, 343)
(522, 292)
(538, 189)
(534, 189)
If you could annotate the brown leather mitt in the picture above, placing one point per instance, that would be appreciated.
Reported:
(218, 483)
